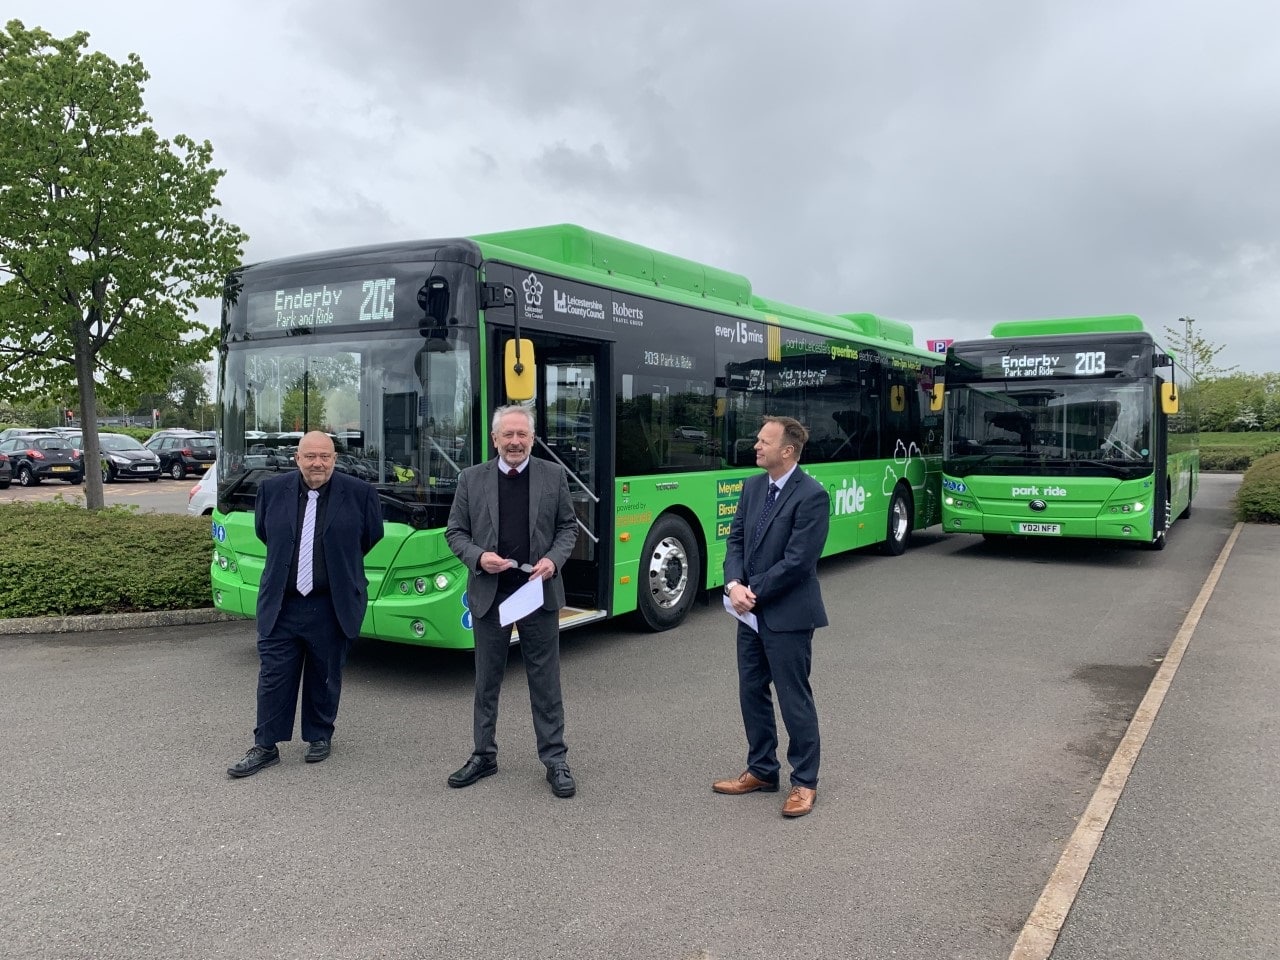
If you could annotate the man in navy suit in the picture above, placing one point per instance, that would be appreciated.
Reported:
(511, 523)
(770, 570)
(317, 526)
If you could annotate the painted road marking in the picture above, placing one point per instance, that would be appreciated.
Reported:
(1040, 932)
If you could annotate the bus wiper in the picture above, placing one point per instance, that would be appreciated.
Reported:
(415, 512)
(1123, 471)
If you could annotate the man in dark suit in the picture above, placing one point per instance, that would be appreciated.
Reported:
(317, 526)
(770, 570)
(511, 523)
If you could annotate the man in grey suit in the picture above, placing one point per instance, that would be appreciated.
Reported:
(512, 522)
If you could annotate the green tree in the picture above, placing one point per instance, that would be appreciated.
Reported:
(109, 236)
(1196, 352)
(189, 391)
(304, 406)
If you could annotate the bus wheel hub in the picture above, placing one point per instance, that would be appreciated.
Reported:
(668, 572)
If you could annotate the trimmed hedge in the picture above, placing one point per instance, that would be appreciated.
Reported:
(1226, 459)
(60, 559)
(1234, 458)
(1258, 499)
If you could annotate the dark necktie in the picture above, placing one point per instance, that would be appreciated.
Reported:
(513, 472)
(764, 514)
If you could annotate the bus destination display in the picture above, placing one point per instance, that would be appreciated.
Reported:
(1058, 362)
(323, 305)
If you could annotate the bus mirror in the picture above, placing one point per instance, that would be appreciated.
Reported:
(1168, 399)
(935, 397)
(518, 365)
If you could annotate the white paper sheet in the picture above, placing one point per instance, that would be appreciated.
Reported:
(748, 618)
(521, 603)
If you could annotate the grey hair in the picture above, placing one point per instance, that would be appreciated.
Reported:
(513, 408)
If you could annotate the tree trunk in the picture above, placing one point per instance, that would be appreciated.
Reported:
(90, 451)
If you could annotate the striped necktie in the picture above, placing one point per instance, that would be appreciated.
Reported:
(306, 544)
(764, 514)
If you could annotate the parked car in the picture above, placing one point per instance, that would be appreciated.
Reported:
(39, 457)
(174, 432)
(6, 471)
(11, 432)
(204, 495)
(182, 455)
(123, 458)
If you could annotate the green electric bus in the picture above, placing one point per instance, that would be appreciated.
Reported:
(1080, 427)
(647, 375)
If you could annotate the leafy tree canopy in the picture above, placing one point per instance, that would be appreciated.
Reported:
(1197, 353)
(107, 232)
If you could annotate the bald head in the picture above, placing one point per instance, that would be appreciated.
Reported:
(315, 458)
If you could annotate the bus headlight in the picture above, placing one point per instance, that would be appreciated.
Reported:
(442, 582)
(1137, 508)
(419, 628)
(420, 585)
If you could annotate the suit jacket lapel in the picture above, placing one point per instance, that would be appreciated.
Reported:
(296, 491)
(489, 491)
(336, 495)
(535, 498)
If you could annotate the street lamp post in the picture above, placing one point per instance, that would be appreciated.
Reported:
(1187, 359)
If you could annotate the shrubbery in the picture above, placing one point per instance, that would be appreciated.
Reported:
(1258, 499)
(1227, 459)
(60, 559)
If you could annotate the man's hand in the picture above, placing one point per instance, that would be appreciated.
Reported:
(490, 562)
(544, 569)
(742, 599)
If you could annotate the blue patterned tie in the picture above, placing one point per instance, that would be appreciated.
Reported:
(764, 514)
(307, 542)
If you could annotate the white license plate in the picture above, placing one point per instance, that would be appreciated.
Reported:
(1044, 529)
(145, 466)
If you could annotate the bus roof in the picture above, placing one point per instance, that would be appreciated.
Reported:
(1118, 323)
(586, 252)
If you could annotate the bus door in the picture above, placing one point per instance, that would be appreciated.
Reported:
(572, 406)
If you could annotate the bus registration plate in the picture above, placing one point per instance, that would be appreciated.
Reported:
(1044, 529)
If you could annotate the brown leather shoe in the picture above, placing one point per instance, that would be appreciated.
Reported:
(746, 782)
(799, 802)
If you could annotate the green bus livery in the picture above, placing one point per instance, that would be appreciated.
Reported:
(1080, 427)
(647, 375)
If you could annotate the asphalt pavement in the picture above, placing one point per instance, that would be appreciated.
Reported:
(958, 744)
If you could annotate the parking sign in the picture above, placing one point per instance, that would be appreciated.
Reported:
(940, 346)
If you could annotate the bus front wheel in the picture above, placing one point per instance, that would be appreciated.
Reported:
(670, 574)
(898, 531)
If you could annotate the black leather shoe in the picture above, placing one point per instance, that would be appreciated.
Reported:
(317, 750)
(561, 780)
(256, 759)
(473, 770)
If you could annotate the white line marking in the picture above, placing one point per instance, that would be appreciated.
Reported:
(1040, 933)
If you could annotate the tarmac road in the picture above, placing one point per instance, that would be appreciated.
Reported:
(164, 496)
(970, 696)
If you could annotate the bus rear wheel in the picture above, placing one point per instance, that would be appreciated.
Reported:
(669, 575)
(898, 531)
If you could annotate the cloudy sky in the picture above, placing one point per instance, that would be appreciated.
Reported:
(950, 164)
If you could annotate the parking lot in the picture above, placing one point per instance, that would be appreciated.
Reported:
(163, 496)
(970, 696)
